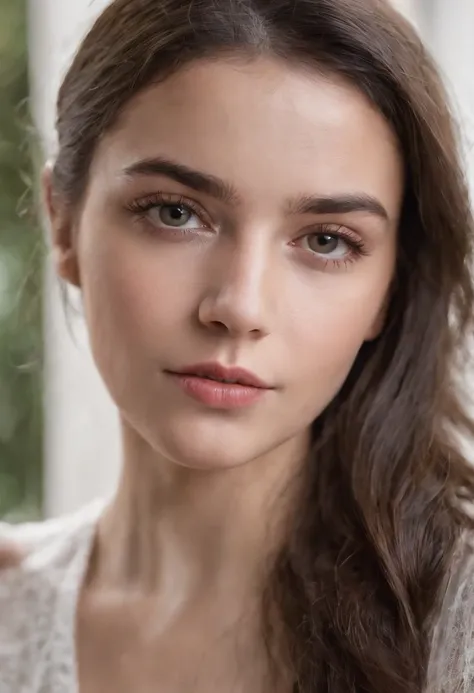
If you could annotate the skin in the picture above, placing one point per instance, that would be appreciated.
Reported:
(171, 597)
(10, 556)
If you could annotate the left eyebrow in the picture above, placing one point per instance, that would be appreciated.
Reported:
(340, 204)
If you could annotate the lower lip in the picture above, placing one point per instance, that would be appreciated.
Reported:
(218, 395)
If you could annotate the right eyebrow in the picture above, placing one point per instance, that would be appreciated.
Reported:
(190, 178)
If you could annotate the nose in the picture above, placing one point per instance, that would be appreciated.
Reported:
(237, 300)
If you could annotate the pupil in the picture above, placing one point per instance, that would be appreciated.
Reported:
(174, 215)
(325, 243)
(175, 212)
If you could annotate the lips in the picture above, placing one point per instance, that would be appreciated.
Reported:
(218, 387)
(221, 374)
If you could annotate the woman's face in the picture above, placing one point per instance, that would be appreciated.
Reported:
(239, 215)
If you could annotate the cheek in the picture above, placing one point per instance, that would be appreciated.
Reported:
(132, 298)
(328, 329)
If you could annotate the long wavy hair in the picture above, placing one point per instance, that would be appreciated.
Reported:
(365, 571)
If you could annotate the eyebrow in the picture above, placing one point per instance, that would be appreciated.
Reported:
(227, 193)
(340, 204)
(190, 178)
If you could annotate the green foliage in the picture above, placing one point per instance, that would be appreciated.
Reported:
(20, 281)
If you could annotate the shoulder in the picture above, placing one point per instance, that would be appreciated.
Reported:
(41, 560)
(28, 547)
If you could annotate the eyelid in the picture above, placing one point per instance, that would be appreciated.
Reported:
(332, 229)
(157, 199)
(354, 239)
(357, 246)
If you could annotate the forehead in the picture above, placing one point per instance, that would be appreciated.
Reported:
(264, 126)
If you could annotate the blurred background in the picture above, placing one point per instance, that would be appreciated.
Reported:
(59, 444)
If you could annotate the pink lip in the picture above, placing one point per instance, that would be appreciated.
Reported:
(203, 383)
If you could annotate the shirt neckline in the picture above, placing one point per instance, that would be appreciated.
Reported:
(63, 650)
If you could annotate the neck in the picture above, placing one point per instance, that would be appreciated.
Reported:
(186, 534)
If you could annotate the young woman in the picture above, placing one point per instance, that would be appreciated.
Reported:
(262, 205)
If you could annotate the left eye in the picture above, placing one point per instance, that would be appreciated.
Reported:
(326, 244)
(175, 215)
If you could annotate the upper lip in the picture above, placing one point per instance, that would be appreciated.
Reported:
(216, 371)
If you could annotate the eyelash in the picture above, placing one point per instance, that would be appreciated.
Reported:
(357, 247)
(141, 207)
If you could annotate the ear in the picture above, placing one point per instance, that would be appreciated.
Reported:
(63, 236)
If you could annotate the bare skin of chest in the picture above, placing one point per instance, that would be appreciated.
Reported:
(121, 650)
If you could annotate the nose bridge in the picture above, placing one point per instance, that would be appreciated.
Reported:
(241, 300)
(244, 278)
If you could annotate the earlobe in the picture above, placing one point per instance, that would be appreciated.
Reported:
(61, 223)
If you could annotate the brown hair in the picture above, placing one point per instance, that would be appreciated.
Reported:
(359, 584)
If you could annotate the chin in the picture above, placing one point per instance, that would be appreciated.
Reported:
(202, 452)
(211, 440)
(208, 444)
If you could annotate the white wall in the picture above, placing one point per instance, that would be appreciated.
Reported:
(81, 446)
(82, 449)
(448, 29)
(409, 8)
(450, 32)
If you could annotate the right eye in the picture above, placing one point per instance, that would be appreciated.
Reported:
(174, 215)
(169, 212)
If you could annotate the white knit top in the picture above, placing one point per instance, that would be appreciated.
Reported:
(38, 602)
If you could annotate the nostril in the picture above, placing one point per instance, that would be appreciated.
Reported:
(219, 325)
